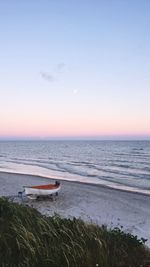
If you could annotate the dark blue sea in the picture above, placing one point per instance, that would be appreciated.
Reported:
(117, 164)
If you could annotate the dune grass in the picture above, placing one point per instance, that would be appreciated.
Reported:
(29, 239)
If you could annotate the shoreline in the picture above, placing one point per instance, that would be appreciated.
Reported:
(93, 203)
(37, 176)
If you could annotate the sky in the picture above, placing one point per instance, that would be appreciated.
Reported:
(75, 69)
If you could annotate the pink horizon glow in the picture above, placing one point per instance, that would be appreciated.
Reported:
(36, 126)
(72, 133)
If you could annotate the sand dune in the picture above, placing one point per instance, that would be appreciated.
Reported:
(92, 203)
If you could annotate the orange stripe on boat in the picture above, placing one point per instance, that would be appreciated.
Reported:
(49, 186)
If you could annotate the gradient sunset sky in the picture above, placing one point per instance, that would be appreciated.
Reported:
(75, 69)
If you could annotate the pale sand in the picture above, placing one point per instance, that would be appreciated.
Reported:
(92, 203)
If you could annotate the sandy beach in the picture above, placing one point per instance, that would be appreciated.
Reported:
(92, 203)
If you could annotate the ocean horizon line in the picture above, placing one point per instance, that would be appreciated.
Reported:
(77, 139)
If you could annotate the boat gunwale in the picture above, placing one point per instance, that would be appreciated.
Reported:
(44, 187)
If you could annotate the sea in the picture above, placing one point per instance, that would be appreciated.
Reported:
(123, 165)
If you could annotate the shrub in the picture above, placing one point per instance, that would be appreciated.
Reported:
(29, 239)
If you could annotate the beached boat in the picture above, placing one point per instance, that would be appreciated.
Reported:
(42, 190)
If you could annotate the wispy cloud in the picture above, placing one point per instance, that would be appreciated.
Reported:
(51, 77)
(47, 76)
(60, 66)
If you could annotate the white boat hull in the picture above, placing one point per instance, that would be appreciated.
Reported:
(31, 191)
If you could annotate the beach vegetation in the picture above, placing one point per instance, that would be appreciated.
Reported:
(28, 238)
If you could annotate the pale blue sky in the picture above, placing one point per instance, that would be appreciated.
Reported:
(64, 64)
